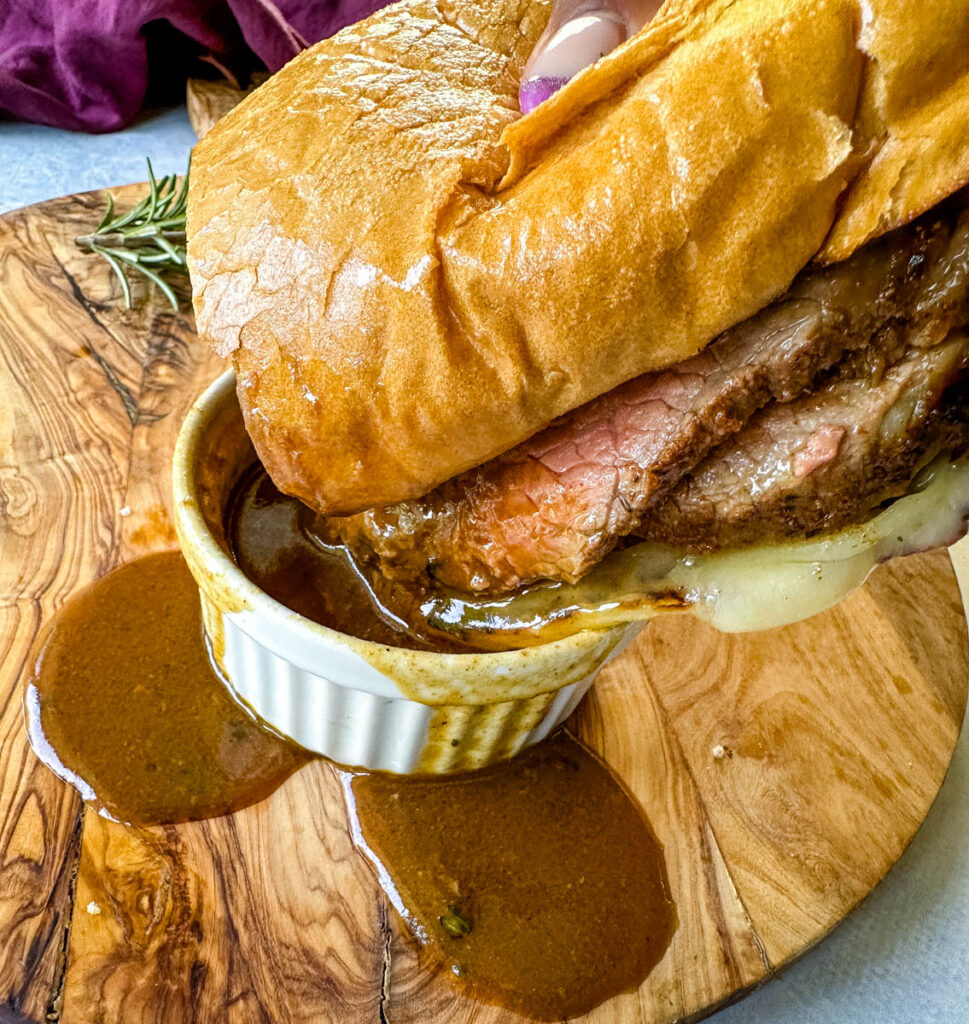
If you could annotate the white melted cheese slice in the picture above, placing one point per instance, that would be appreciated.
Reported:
(738, 590)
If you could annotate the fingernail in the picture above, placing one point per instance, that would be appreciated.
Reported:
(577, 44)
(538, 90)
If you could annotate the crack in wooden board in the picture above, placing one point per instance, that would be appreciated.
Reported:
(271, 915)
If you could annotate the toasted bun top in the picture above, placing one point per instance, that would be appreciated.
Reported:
(412, 277)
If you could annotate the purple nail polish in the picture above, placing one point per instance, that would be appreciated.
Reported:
(538, 90)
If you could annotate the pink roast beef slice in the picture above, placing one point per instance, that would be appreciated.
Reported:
(875, 435)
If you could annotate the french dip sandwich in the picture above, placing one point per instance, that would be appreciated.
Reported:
(692, 333)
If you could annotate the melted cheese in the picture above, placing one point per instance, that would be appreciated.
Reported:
(736, 591)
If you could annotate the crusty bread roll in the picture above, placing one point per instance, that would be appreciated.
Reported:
(412, 278)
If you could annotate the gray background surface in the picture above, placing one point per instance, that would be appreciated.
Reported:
(903, 956)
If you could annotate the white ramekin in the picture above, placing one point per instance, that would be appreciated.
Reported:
(355, 701)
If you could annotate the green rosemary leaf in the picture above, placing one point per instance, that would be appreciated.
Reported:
(181, 200)
(133, 260)
(170, 249)
(119, 273)
(164, 196)
(171, 222)
(123, 254)
(162, 284)
(108, 214)
(135, 213)
(162, 259)
(153, 194)
(171, 194)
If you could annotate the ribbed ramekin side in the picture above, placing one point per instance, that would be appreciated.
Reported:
(345, 724)
(466, 737)
(357, 728)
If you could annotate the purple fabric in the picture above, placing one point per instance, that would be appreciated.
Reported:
(83, 64)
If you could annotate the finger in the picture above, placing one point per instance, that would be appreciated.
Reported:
(579, 32)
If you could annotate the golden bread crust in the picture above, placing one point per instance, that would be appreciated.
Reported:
(413, 278)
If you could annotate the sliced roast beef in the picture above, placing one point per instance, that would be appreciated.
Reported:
(826, 460)
(555, 505)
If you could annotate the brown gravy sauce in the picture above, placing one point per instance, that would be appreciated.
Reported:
(272, 541)
(276, 541)
(124, 704)
(537, 883)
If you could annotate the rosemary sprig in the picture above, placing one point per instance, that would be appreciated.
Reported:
(149, 238)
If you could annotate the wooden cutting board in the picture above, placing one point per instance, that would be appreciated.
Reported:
(836, 734)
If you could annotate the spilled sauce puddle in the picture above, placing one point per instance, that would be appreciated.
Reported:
(124, 704)
(536, 884)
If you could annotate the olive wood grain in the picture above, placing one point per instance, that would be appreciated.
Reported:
(209, 100)
(835, 735)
